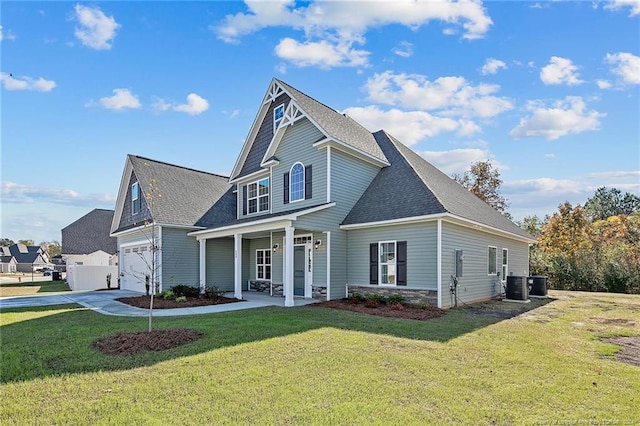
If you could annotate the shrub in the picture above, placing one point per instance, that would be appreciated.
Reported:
(378, 298)
(166, 294)
(424, 305)
(358, 296)
(397, 307)
(185, 290)
(395, 299)
(213, 292)
(371, 303)
(181, 299)
(354, 300)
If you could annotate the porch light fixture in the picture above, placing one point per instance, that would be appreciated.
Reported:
(275, 247)
(318, 244)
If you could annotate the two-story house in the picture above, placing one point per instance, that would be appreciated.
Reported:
(316, 206)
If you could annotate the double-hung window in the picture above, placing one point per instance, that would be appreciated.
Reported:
(387, 262)
(258, 196)
(263, 264)
(278, 115)
(493, 264)
(135, 198)
(297, 182)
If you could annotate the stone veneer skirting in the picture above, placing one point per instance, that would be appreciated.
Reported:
(415, 296)
(273, 289)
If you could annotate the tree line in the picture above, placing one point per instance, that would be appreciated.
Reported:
(595, 247)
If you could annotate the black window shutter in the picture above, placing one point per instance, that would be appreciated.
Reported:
(244, 200)
(401, 262)
(307, 182)
(373, 263)
(286, 188)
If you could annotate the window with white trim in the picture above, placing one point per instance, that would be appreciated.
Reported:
(263, 264)
(493, 260)
(135, 198)
(505, 263)
(258, 196)
(296, 186)
(278, 115)
(387, 264)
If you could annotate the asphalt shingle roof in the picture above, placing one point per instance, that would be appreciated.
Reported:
(89, 234)
(411, 186)
(180, 195)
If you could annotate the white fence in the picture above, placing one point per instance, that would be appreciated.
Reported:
(91, 277)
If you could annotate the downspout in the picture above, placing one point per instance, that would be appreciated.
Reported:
(439, 262)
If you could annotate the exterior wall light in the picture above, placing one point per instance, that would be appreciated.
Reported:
(275, 247)
(318, 244)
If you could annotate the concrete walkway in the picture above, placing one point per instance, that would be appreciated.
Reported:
(103, 302)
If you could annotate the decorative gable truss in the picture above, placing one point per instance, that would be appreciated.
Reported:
(292, 114)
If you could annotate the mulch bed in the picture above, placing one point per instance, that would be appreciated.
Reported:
(143, 341)
(384, 310)
(159, 303)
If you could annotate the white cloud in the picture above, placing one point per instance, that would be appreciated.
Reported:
(323, 54)
(121, 99)
(404, 49)
(634, 5)
(452, 96)
(617, 174)
(564, 117)
(550, 155)
(6, 36)
(160, 105)
(626, 66)
(96, 30)
(332, 28)
(26, 83)
(409, 127)
(458, 160)
(24, 194)
(232, 114)
(560, 71)
(603, 84)
(491, 66)
(195, 105)
(281, 68)
(352, 17)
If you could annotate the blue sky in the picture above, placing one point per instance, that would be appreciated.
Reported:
(548, 91)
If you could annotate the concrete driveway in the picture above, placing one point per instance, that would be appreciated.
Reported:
(103, 302)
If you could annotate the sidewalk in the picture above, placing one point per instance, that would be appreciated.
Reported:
(103, 302)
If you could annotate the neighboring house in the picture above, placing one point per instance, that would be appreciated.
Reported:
(27, 258)
(8, 264)
(316, 206)
(87, 241)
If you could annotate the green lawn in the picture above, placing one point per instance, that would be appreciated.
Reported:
(26, 288)
(311, 365)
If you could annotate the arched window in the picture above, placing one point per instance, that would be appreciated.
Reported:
(296, 186)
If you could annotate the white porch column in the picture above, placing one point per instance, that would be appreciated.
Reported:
(203, 265)
(288, 269)
(237, 274)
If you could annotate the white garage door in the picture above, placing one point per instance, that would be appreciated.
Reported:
(136, 263)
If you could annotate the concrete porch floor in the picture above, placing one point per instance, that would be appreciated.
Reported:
(103, 302)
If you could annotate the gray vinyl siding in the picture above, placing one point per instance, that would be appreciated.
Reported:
(476, 283)
(220, 263)
(350, 177)
(319, 258)
(180, 258)
(296, 146)
(277, 258)
(422, 253)
(246, 254)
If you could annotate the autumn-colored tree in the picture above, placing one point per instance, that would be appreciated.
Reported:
(53, 248)
(26, 242)
(6, 242)
(483, 180)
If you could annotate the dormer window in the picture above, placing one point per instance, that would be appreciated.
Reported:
(297, 182)
(278, 114)
(135, 198)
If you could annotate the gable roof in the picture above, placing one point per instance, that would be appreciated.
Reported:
(412, 187)
(335, 126)
(181, 196)
(89, 234)
(7, 259)
(27, 254)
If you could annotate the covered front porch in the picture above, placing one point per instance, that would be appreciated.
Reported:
(271, 257)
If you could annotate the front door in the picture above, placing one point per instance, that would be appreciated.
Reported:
(299, 270)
